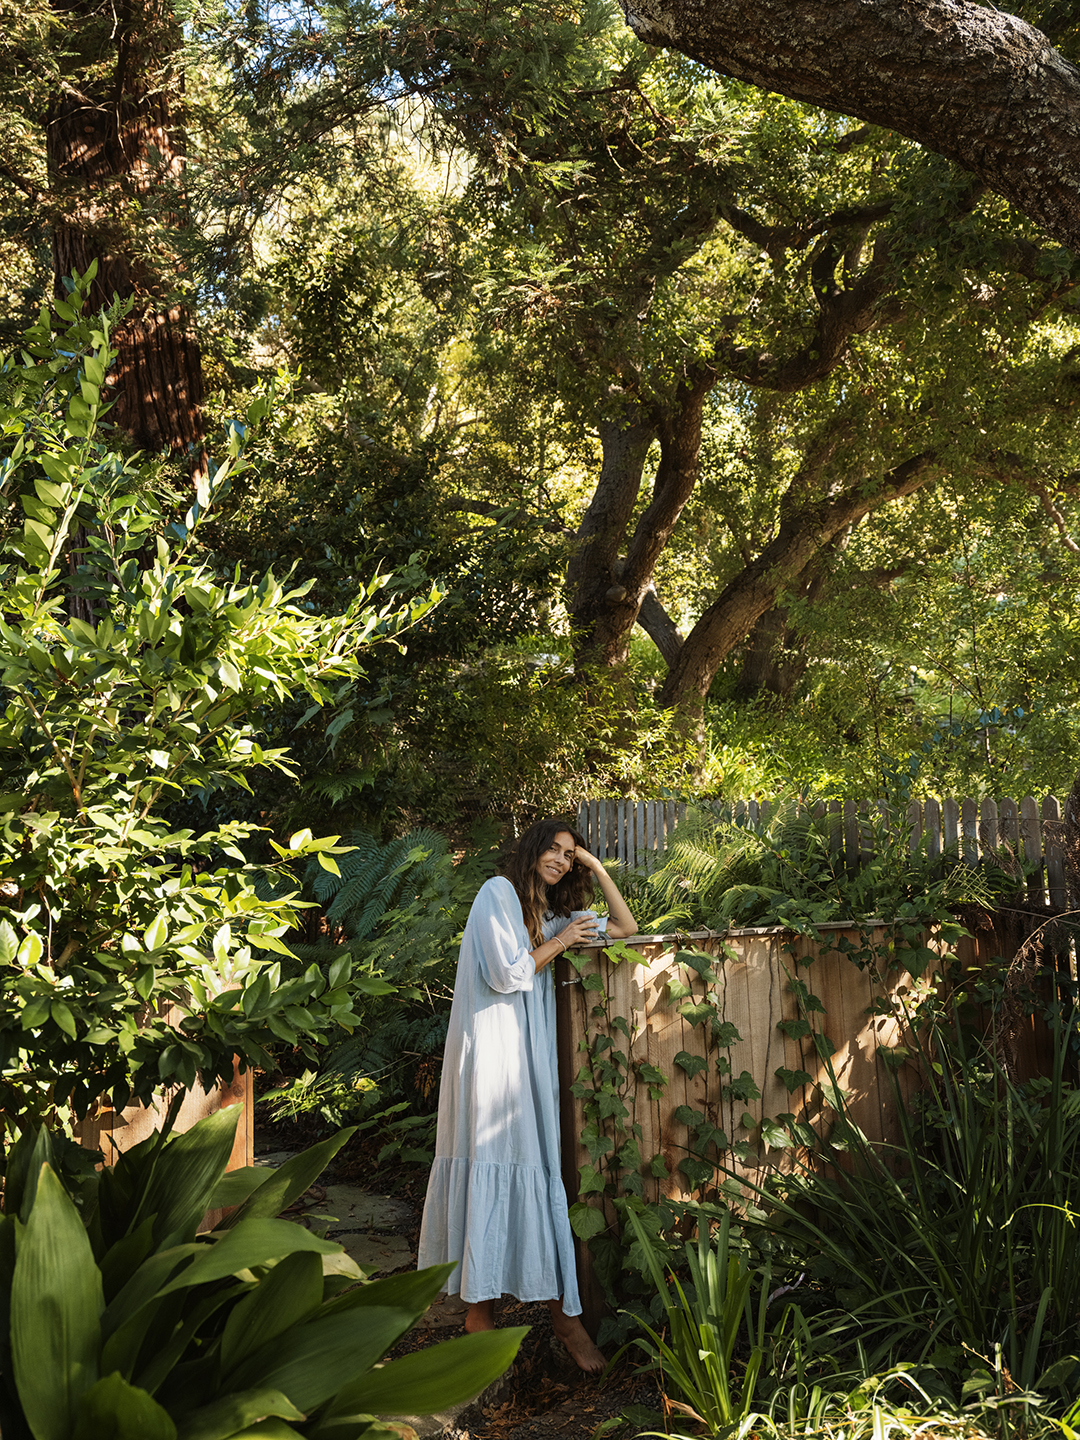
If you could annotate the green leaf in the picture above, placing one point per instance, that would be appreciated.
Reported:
(56, 1302)
(185, 1174)
(254, 1242)
(235, 1186)
(311, 1362)
(432, 1379)
(223, 1418)
(121, 1411)
(586, 1220)
(290, 1181)
(692, 1064)
(292, 1290)
(9, 943)
(775, 1136)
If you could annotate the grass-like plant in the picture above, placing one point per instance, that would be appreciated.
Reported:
(958, 1244)
(706, 1325)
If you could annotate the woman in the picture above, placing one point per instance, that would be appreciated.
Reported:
(496, 1203)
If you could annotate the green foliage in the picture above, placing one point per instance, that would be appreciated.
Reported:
(705, 1326)
(395, 911)
(790, 868)
(132, 674)
(958, 1244)
(120, 1318)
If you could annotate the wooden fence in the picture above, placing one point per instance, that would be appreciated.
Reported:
(675, 1077)
(636, 832)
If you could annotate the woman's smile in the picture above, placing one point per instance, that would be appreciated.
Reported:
(556, 861)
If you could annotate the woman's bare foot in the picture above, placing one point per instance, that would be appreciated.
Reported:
(481, 1316)
(577, 1340)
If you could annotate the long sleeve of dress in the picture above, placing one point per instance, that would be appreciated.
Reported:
(500, 938)
(496, 1204)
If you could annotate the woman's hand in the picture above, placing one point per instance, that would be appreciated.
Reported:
(582, 931)
(620, 923)
(586, 858)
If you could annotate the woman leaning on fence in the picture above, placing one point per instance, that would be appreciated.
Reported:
(496, 1205)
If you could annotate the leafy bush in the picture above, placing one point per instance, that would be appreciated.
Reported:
(789, 870)
(133, 674)
(120, 1319)
(957, 1245)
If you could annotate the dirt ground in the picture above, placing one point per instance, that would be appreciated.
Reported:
(544, 1394)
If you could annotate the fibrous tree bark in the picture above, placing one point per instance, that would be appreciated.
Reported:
(116, 156)
(969, 81)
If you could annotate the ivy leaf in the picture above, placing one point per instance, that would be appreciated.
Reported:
(692, 1064)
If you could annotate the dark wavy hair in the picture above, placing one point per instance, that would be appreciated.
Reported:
(573, 892)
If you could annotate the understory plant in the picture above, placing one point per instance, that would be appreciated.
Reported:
(955, 1248)
(790, 868)
(121, 1319)
(713, 1340)
(133, 674)
(396, 910)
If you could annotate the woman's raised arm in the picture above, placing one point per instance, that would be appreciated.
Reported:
(620, 922)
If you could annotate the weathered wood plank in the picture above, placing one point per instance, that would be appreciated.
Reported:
(969, 829)
(1031, 845)
(913, 820)
(932, 829)
(950, 828)
(1055, 856)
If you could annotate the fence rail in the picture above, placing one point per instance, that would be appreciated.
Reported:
(636, 832)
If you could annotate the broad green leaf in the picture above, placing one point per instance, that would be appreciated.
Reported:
(121, 1411)
(223, 1418)
(146, 1282)
(185, 1173)
(254, 1242)
(586, 1220)
(274, 1429)
(290, 1181)
(312, 1362)
(292, 1290)
(9, 943)
(56, 1301)
(432, 1379)
(413, 1292)
(235, 1186)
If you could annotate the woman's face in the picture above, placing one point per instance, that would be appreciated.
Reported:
(557, 858)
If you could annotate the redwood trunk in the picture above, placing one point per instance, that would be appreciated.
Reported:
(115, 150)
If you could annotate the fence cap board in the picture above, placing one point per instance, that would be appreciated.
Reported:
(673, 936)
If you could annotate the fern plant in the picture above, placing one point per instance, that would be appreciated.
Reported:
(397, 910)
(787, 870)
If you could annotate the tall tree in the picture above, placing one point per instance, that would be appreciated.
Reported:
(684, 242)
(115, 149)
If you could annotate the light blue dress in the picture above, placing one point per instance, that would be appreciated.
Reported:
(495, 1204)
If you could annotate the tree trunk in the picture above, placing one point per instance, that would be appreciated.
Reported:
(775, 659)
(591, 577)
(801, 537)
(115, 147)
(608, 591)
(975, 84)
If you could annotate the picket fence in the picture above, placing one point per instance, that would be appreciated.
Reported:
(636, 832)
